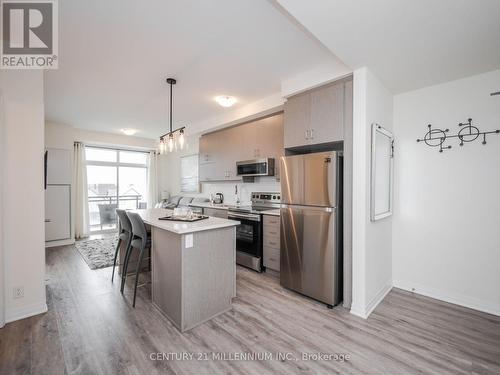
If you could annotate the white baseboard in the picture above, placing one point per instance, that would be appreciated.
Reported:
(59, 243)
(379, 297)
(365, 311)
(25, 312)
(358, 311)
(455, 298)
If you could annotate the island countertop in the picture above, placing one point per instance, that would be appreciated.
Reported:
(151, 217)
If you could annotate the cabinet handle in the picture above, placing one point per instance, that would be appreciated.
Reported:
(273, 232)
(307, 134)
(311, 132)
(47, 220)
(272, 243)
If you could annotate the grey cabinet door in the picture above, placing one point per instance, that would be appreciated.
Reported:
(211, 165)
(271, 242)
(230, 145)
(269, 135)
(297, 120)
(327, 114)
(214, 212)
(206, 160)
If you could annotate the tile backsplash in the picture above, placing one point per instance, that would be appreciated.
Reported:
(263, 184)
(245, 189)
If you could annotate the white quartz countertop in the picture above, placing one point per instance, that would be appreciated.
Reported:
(275, 212)
(210, 205)
(151, 217)
(223, 206)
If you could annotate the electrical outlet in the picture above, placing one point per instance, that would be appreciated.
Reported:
(18, 292)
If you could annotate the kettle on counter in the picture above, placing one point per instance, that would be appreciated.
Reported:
(219, 198)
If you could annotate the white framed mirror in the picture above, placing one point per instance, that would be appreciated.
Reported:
(382, 173)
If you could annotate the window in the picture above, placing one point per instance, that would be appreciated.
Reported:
(115, 179)
(189, 174)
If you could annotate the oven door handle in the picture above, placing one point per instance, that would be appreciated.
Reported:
(245, 217)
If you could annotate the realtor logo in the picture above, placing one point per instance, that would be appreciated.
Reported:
(29, 34)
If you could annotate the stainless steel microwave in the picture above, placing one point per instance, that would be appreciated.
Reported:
(256, 167)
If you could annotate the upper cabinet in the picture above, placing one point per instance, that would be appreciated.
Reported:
(219, 151)
(297, 118)
(315, 116)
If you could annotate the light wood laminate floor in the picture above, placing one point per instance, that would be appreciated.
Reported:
(92, 329)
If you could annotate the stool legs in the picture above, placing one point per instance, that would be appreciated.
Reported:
(125, 265)
(116, 255)
(137, 271)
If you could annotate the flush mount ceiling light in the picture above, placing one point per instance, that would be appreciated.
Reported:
(174, 139)
(129, 131)
(225, 101)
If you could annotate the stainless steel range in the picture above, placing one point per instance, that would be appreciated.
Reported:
(249, 232)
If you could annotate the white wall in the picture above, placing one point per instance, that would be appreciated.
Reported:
(317, 77)
(23, 193)
(447, 206)
(61, 136)
(372, 241)
(2, 179)
(64, 136)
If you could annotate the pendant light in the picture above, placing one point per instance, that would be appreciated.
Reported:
(174, 139)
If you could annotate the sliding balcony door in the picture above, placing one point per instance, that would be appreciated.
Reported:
(116, 179)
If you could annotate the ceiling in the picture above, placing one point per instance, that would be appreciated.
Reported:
(409, 44)
(116, 54)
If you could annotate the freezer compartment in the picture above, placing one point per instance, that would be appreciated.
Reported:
(310, 179)
(310, 258)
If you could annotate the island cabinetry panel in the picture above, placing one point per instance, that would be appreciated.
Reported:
(215, 212)
(193, 274)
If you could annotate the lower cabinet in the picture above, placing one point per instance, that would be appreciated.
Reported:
(271, 242)
(215, 212)
(57, 212)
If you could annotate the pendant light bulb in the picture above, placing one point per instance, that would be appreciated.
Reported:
(161, 146)
(181, 139)
(171, 143)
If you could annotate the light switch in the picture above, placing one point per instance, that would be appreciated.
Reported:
(188, 241)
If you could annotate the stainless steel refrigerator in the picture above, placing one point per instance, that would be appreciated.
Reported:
(311, 225)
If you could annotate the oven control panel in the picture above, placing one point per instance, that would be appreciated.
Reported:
(266, 198)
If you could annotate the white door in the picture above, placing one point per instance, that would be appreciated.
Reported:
(57, 212)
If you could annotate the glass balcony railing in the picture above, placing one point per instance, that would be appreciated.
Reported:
(102, 209)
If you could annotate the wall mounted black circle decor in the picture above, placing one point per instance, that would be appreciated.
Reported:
(468, 133)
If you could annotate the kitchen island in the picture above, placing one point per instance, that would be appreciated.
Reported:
(193, 267)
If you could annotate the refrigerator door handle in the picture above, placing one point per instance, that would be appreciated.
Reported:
(312, 208)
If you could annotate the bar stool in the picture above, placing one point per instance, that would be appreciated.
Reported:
(141, 240)
(124, 234)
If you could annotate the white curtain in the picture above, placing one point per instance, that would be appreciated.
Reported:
(152, 197)
(81, 193)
